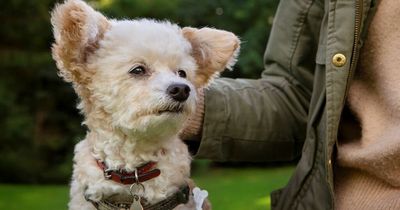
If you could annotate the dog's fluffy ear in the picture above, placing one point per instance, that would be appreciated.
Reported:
(77, 31)
(214, 50)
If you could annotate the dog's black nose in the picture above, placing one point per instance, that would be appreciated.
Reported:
(179, 92)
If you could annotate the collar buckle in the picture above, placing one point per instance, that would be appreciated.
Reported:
(107, 173)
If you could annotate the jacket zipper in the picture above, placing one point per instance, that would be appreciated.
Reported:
(359, 7)
(355, 54)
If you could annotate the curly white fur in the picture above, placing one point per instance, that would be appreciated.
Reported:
(122, 111)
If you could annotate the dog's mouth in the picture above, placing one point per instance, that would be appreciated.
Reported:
(171, 109)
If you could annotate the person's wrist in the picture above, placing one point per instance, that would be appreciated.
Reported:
(193, 126)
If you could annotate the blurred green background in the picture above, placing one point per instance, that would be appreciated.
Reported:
(40, 125)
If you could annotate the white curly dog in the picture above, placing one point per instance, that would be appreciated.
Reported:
(137, 82)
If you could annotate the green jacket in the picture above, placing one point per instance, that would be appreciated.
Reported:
(295, 108)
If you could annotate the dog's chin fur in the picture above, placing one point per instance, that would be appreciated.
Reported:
(132, 119)
(155, 127)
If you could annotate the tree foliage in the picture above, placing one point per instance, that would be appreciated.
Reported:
(38, 120)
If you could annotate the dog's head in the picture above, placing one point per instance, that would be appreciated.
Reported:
(136, 75)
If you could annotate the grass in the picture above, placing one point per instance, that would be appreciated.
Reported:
(238, 189)
(229, 188)
(18, 197)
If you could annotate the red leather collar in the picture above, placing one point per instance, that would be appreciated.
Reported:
(140, 174)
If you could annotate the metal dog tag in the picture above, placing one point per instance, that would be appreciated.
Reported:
(137, 190)
(136, 205)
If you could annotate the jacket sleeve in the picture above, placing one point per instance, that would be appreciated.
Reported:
(265, 119)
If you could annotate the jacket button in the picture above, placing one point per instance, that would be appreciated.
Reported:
(339, 60)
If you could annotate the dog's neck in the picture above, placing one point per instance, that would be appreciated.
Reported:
(119, 150)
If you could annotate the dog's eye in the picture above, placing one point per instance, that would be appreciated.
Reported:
(138, 70)
(182, 73)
